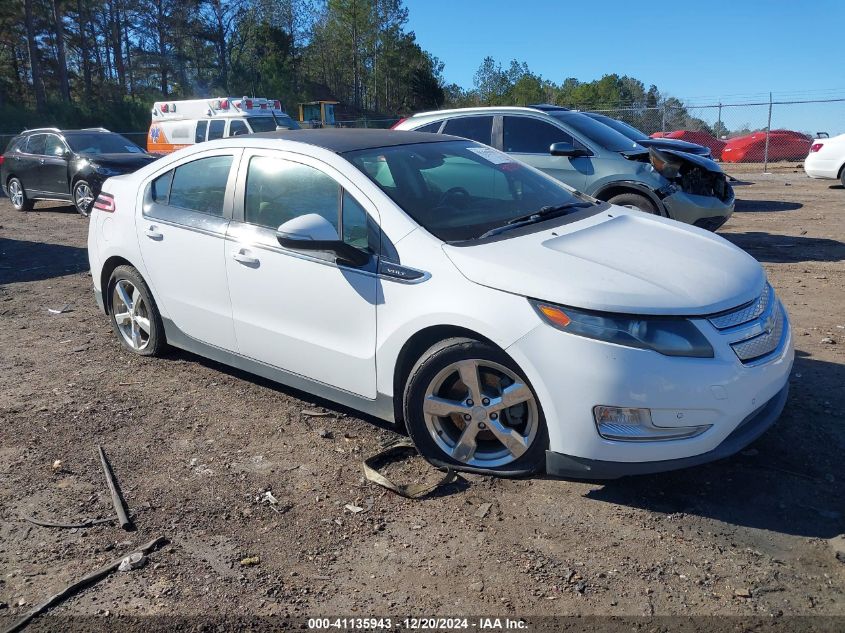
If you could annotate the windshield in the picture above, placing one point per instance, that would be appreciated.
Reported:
(101, 143)
(459, 190)
(598, 132)
(262, 123)
(285, 121)
(620, 126)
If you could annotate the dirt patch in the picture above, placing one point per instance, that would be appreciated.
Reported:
(195, 445)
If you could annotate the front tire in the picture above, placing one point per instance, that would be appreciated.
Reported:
(468, 406)
(17, 194)
(634, 201)
(83, 197)
(134, 315)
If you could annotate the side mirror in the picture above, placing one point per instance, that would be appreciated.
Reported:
(568, 149)
(312, 232)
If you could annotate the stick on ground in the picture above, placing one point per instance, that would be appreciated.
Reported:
(82, 524)
(116, 497)
(90, 579)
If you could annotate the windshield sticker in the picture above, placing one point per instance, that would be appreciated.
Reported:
(493, 155)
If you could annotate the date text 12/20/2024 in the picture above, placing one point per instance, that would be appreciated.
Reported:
(417, 624)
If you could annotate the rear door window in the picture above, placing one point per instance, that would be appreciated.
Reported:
(199, 135)
(36, 144)
(216, 129)
(526, 135)
(201, 184)
(160, 188)
(475, 128)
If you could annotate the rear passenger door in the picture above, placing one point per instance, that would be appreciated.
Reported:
(28, 170)
(528, 139)
(182, 226)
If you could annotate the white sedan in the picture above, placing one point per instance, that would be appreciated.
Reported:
(827, 158)
(511, 324)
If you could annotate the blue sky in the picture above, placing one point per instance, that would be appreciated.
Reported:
(701, 52)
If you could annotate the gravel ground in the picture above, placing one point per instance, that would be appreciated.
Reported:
(195, 444)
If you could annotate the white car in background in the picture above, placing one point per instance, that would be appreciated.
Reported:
(827, 158)
(511, 324)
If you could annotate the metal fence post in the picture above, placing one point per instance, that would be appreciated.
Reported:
(768, 129)
(719, 122)
(663, 118)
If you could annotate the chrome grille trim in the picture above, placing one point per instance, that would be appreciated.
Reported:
(745, 313)
(756, 347)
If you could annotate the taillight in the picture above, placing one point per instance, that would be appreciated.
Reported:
(2, 158)
(399, 122)
(105, 202)
(816, 147)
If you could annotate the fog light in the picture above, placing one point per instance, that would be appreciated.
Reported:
(635, 425)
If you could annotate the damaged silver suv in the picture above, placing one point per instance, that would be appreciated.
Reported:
(594, 158)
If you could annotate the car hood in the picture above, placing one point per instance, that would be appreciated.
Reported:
(619, 261)
(129, 162)
(675, 144)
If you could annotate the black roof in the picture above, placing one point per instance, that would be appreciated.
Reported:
(341, 140)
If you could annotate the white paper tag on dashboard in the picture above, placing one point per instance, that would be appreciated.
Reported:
(493, 155)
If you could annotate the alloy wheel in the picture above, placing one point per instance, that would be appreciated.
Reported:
(481, 413)
(16, 193)
(131, 314)
(83, 197)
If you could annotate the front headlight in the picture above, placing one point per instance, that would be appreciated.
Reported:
(671, 336)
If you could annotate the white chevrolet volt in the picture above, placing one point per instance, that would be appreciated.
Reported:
(511, 324)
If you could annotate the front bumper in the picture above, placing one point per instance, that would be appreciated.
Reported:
(704, 211)
(749, 429)
(571, 375)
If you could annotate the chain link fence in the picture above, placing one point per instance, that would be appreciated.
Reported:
(760, 132)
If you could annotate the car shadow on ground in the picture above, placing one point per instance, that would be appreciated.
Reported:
(54, 207)
(784, 249)
(788, 481)
(765, 206)
(22, 261)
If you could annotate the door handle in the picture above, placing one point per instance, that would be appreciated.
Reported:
(153, 233)
(244, 257)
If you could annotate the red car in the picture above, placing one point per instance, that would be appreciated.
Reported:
(693, 136)
(751, 148)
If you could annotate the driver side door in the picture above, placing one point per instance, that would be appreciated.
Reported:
(303, 312)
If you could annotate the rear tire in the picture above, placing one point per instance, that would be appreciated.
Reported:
(842, 176)
(133, 313)
(634, 201)
(468, 406)
(83, 197)
(17, 194)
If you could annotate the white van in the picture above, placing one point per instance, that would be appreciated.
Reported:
(177, 124)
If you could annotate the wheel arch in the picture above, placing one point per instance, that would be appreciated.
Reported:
(611, 189)
(414, 348)
(108, 268)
